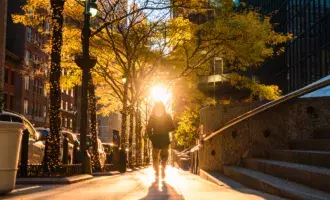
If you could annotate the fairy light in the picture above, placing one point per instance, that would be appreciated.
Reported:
(52, 160)
(94, 139)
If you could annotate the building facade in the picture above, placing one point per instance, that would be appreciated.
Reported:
(307, 56)
(109, 128)
(27, 73)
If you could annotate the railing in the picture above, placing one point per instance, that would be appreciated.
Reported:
(308, 89)
(71, 169)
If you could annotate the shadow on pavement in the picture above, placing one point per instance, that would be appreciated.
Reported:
(29, 189)
(161, 190)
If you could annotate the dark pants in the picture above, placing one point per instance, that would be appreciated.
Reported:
(159, 156)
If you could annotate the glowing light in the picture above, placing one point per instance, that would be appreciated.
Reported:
(93, 11)
(159, 93)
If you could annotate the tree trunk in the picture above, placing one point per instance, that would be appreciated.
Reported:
(52, 150)
(138, 135)
(93, 125)
(131, 136)
(146, 140)
(3, 24)
(123, 137)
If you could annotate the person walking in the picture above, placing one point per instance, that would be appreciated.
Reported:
(159, 126)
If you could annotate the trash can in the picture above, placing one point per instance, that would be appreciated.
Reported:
(10, 144)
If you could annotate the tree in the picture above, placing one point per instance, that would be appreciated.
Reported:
(52, 159)
(3, 19)
(244, 40)
(187, 133)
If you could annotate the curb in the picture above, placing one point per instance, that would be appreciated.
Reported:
(64, 180)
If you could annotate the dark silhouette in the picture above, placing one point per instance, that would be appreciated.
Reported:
(159, 126)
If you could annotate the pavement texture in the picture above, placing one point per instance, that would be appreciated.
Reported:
(137, 185)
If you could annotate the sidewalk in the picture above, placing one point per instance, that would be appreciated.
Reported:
(137, 185)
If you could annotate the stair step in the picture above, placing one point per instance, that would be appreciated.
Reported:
(274, 185)
(311, 144)
(308, 157)
(316, 177)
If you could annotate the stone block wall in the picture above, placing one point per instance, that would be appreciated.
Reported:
(214, 117)
(272, 128)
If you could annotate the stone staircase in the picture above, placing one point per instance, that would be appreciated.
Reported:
(300, 172)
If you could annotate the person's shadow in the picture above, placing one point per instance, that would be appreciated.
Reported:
(162, 191)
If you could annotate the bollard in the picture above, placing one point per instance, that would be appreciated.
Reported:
(65, 157)
(87, 163)
(24, 154)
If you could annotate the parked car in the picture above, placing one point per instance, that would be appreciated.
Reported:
(101, 151)
(44, 132)
(36, 148)
(108, 148)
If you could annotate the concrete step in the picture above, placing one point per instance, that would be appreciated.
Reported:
(311, 144)
(274, 185)
(308, 157)
(316, 177)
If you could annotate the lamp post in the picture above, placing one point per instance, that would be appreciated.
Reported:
(221, 72)
(123, 145)
(86, 63)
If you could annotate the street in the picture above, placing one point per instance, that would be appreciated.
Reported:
(136, 185)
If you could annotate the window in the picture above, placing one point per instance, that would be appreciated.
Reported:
(72, 92)
(45, 111)
(5, 96)
(27, 57)
(6, 75)
(35, 38)
(5, 118)
(16, 119)
(11, 100)
(66, 106)
(62, 104)
(67, 91)
(12, 80)
(45, 90)
(35, 86)
(71, 123)
(71, 106)
(46, 27)
(26, 107)
(65, 122)
(27, 82)
(28, 34)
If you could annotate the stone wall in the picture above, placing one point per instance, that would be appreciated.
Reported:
(270, 129)
(214, 117)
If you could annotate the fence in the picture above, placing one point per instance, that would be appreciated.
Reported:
(36, 170)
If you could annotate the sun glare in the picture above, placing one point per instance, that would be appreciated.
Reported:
(159, 93)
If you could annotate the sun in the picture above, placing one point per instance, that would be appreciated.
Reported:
(159, 93)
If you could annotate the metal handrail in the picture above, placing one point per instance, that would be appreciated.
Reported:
(305, 90)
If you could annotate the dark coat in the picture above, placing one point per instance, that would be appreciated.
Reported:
(158, 130)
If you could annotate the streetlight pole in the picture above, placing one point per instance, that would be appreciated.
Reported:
(86, 63)
(214, 62)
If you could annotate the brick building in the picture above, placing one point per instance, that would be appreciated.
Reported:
(26, 74)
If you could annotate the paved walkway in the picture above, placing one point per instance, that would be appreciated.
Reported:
(135, 186)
